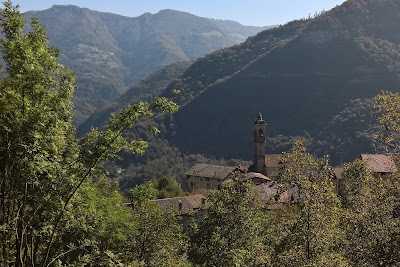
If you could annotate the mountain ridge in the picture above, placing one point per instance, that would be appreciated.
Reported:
(110, 52)
(322, 60)
(309, 78)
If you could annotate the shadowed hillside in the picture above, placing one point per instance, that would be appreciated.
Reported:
(313, 79)
(300, 76)
(145, 90)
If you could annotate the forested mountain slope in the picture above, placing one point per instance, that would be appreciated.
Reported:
(313, 79)
(145, 90)
(109, 52)
(300, 76)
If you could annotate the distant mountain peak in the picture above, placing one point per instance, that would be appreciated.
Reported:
(70, 7)
(173, 11)
(110, 52)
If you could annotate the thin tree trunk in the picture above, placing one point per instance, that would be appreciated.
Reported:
(18, 241)
(308, 236)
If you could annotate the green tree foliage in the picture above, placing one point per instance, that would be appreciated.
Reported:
(159, 240)
(164, 188)
(42, 165)
(231, 233)
(144, 192)
(169, 187)
(311, 236)
(388, 105)
(105, 234)
(97, 228)
(372, 201)
(37, 147)
(372, 221)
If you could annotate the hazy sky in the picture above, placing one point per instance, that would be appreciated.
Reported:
(247, 12)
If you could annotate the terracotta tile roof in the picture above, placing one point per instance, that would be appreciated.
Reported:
(189, 203)
(337, 172)
(379, 162)
(272, 160)
(251, 175)
(210, 171)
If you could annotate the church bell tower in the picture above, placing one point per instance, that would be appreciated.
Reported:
(259, 144)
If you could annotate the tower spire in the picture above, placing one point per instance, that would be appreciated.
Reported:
(259, 144)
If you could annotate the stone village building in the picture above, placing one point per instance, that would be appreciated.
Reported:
(379, 164)
(261, 172)
(264, 169)
(206, 176)
(188, 205)
(264, 166)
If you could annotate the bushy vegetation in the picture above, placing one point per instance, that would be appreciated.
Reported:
(56, 205)
(360, 227)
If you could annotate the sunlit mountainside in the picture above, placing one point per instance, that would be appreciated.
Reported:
(109, 52)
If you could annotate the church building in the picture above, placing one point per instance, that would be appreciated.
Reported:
(267, 164)
(206, 176)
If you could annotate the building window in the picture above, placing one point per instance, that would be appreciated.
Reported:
(219, 187)
(208, 179)
(191, 184)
